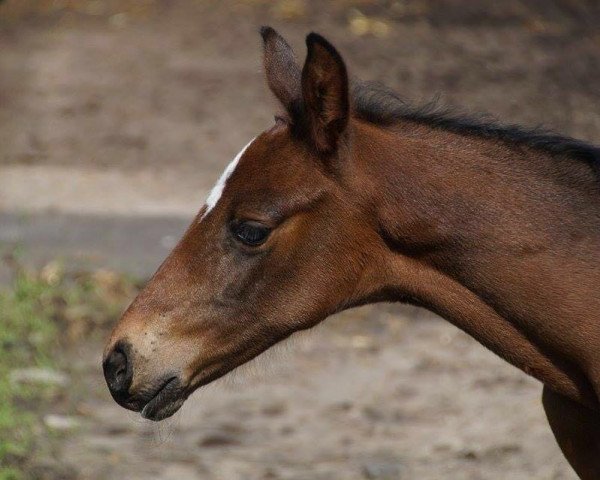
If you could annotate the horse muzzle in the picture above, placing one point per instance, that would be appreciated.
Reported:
(156, 399)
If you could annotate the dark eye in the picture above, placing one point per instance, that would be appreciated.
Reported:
(250, 233)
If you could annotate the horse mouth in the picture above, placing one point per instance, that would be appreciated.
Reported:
(166, 401)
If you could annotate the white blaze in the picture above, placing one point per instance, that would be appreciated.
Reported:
(217, 190)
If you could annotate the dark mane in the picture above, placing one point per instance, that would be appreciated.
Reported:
(377, 104)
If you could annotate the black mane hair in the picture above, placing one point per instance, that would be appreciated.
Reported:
(378, 104)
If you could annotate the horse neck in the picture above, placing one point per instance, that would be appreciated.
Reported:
(468, 218)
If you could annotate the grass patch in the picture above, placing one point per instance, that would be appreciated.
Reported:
(42, 312)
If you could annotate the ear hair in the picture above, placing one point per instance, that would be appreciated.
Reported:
(282, 71)
(325, 93)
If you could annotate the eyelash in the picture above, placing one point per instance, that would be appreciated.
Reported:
(250, 233)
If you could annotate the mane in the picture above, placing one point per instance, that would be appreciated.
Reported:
(378, 104)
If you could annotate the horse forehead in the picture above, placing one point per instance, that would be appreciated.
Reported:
(268, 164)
(217, 191)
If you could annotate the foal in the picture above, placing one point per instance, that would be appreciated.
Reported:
(352, 197)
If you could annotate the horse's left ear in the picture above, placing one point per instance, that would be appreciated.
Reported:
(325, 94)
(282, 71)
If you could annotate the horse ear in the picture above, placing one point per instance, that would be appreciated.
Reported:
(282, 70)
(325, 93)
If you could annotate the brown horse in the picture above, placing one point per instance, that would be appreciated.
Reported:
(352, 197)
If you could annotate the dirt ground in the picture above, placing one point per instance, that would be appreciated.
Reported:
(117, 112)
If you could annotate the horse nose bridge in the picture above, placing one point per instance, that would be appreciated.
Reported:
(154, 303)
(128, 325)
(146, 319)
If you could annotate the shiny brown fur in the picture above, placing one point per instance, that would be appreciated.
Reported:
(497, 234)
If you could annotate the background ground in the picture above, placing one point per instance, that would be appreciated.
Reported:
(115, 119)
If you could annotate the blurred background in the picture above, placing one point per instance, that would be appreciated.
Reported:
(116, 117)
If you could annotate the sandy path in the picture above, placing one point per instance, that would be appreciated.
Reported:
(92, 191)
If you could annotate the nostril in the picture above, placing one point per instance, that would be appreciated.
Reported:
(118, 372)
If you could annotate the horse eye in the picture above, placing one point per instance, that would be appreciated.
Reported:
(250, 233)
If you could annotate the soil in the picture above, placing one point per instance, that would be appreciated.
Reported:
(118, 116)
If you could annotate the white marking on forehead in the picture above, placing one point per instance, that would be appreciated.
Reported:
(217, 190)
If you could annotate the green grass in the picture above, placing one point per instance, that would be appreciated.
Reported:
(40, 314)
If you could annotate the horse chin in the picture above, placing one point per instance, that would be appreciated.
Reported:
(166, 401)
